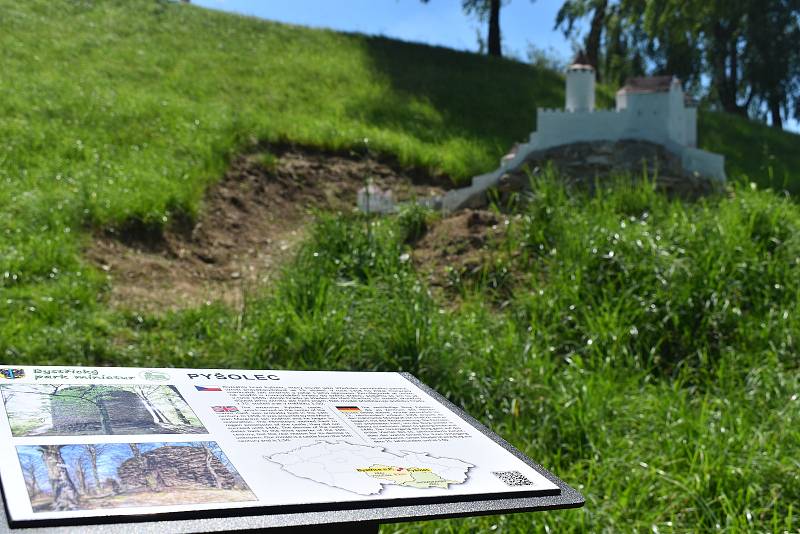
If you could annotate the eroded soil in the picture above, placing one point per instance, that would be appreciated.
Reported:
(460, 247)
(251, 223)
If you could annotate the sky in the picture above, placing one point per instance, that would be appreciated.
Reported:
(110, 457)
(439, 22)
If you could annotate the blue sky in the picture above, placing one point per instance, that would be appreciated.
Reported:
(112, 456)
(439, 22)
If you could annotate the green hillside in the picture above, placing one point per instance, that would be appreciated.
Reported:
(643, 348)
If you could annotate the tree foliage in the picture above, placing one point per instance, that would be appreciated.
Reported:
(741, 54)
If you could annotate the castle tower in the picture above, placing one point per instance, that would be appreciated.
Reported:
(580, 85)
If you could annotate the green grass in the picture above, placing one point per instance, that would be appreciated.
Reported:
(753, 152)
(661, 380)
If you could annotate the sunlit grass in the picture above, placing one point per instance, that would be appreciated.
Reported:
(643, 349)
(662, 379)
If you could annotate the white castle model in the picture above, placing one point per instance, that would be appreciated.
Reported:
(648, 109)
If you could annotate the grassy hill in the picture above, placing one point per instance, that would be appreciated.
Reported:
(642, 348)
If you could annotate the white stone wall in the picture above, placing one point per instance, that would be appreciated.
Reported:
(580, 90)
(373, 199)
(648, 117)
(703, 163)
(677, 115)
(690, 125)
(656, 117)
(558, 127)
(622, 101)
(661, 118)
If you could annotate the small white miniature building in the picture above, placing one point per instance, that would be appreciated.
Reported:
(372, 199)
(650, 109)
(580, 87)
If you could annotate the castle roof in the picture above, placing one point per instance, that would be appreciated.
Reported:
(581, 62)
(648, 84)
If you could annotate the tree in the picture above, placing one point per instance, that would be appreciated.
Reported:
(573, 10)
(488, 11)
(65, 495)
(93, 452)
(210, 466)
(99, 396)
(178, 411)
(742, 53)
(31, 471)
(219, 454)
(623, 33)
(148, 395)
(81, 475)
(94, 395)
(771, 60)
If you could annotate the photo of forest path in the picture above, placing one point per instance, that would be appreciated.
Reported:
(122, 475)
(74, 410)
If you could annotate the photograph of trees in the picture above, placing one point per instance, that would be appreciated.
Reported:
(120, 475)
(74, 410)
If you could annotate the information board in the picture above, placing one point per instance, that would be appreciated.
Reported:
(96, 442)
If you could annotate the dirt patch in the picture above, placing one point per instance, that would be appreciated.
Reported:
(251, 223)
(462, 248)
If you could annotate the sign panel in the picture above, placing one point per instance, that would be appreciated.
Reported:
(92, 442)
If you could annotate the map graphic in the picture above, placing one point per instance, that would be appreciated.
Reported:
(366, 469)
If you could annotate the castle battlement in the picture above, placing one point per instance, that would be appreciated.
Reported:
(647, 109)
(594, 112)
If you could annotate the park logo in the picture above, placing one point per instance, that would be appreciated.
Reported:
(154, 376)
(11, 374)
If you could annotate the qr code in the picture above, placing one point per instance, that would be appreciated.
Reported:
(513, 478)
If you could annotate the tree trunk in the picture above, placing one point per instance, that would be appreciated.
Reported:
(80, 474)
(29, 474)
(210, 466)
(775, 111)
(65, 496)
(162, 417)
(723, 77)
(158, 417)
(92, 450)
(494, 29)
(734, 79)
(32, 483)
(181, 417)
(105, 420)
(595, 35)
